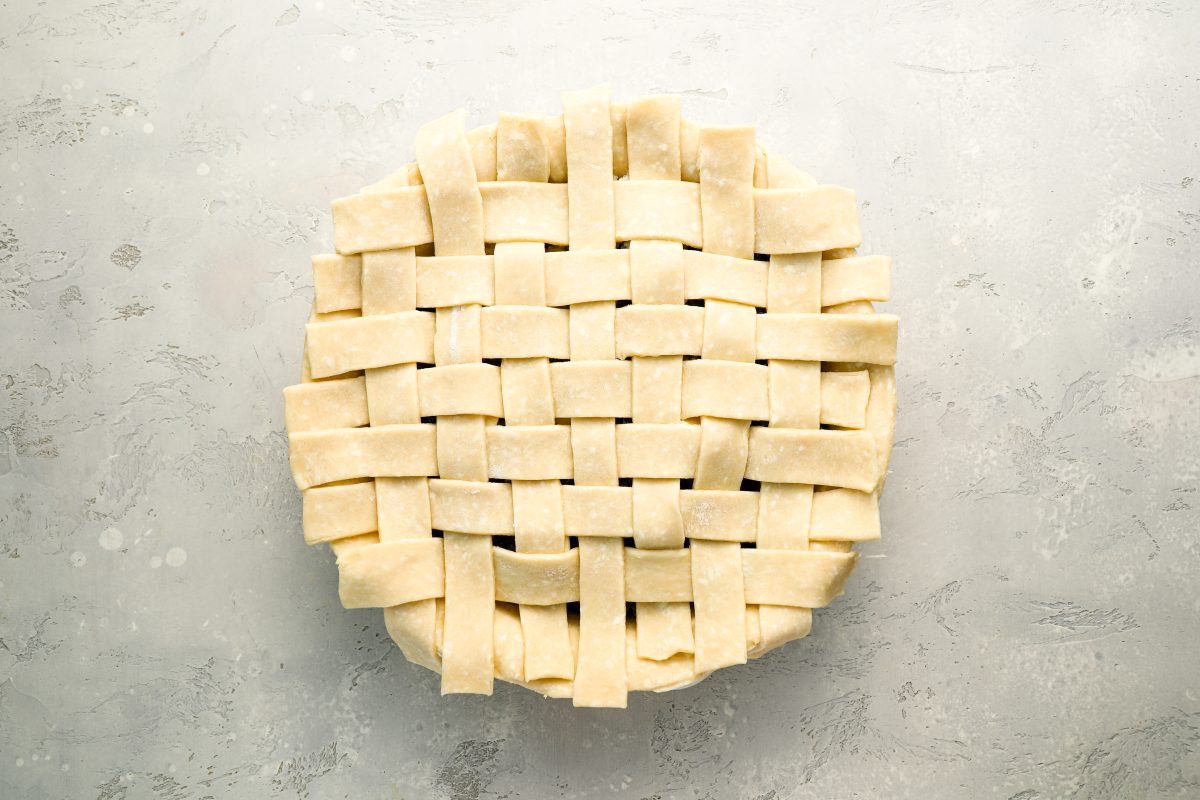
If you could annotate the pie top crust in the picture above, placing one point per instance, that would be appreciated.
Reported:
(593, 403)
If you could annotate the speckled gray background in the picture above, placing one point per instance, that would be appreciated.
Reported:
(1029, 626)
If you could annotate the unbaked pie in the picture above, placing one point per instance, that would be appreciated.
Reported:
(593, 403)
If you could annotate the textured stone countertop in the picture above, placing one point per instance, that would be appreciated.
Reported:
(1029, 626)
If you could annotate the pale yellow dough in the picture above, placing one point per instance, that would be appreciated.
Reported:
(564, 366)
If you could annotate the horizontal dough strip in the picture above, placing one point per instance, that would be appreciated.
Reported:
(729, 389)
(785, 220)
(391, 573)
(334, 512)
(544, 452)
(454, 280)
(345, 345)
(325, 456)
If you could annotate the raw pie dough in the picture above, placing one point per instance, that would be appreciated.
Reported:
(596, 402)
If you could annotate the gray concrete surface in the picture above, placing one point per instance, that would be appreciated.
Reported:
(1028, 628)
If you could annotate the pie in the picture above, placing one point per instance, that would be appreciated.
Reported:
(593, 403)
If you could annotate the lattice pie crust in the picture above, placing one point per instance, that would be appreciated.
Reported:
(593, 403)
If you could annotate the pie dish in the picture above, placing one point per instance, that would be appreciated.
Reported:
(593, 403)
